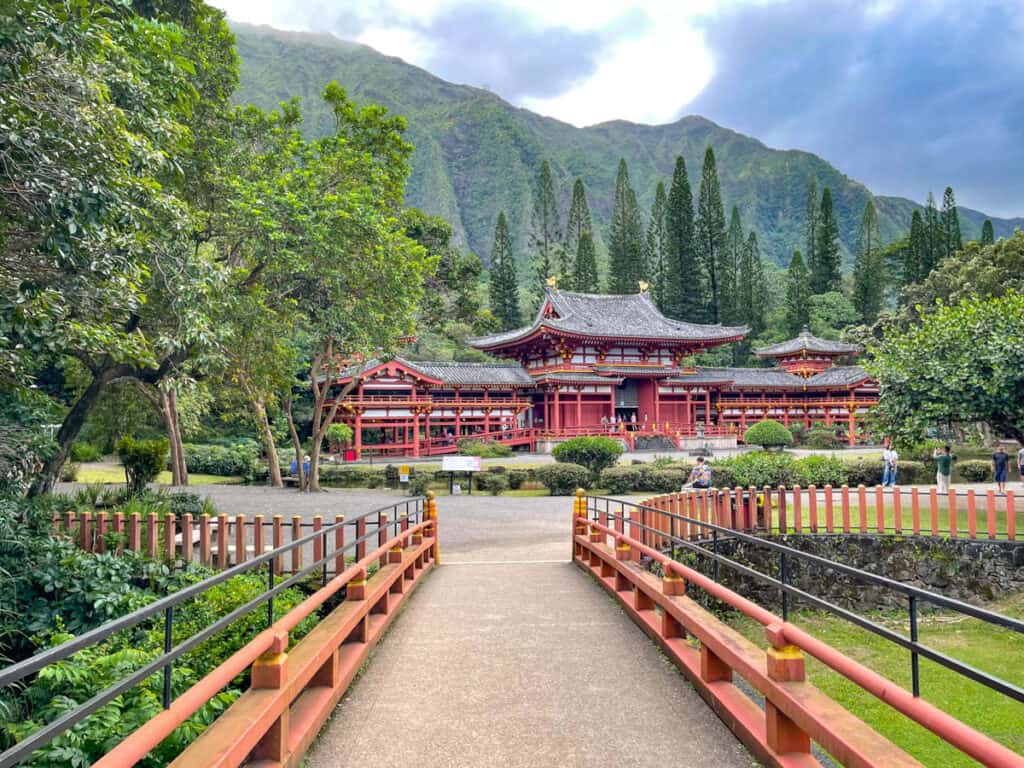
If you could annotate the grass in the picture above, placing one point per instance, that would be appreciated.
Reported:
(104, 474)
(995, 650)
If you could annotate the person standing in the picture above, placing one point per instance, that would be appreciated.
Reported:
(889, 461)
(1020, 464)
(943, 467)
(1000, 464)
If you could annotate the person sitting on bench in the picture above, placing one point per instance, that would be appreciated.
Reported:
(700, 475)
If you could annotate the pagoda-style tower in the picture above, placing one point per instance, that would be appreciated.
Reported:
(807, 355)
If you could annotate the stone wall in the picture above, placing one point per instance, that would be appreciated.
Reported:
(973, 571)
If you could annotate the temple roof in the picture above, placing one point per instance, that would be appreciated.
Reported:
(649, 370)
(454, 373)
(841, 376)
(577, 377)
(631, 316)
(774, 378)
(806, 341)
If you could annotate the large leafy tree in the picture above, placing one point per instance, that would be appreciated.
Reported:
(504, 290)
(683, 294)
(710, 234)
(962, 362)
(545, 228)
(826, 272)
(625, 242)
(868, 267)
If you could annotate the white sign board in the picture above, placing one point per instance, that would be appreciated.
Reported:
(460, 463)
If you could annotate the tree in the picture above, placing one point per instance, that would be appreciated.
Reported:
(728, 270)
(579, 222)
(656, 243)
(812, 214)
(960, 363)
(545, 228)
(751, 287)
(683, 295)
(931, 252)
(830, 313)
(916, 253)
(585, 278)
(710, 235)
(798, 311)
(950, 222)
(625, 246)
(868, 267)
(826, 274)
(988, 235)
(504, 288)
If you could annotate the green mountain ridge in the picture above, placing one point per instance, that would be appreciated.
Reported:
(476, 154)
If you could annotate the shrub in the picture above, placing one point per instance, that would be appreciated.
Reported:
(491, 482)
(85, 452)
(865, 472)
(622, 479)
(419, 484)
(338, 434)
(821, 437)
(973, 471)
(758, 468)
(143, 460)
(485, 449)
(223, 460)
(69, 472)
(516, 478)
(819, 471)
(184, 503)
(594, 453)
(667, 480)
(722, 475)
(351, 477)
(391, 476)
(768, 434)
(799, 432)
(563, 479)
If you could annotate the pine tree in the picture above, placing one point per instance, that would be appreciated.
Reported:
(988, 234)
(915, 253)
(504, 290)
(812, 214)
(579, 217)
(750, 287)
(933, 237)
(951, 239)
(683, 294)
(625, 241)
(585, 278)
(868, 267)
(827, 273)
(655, 245)
(798, 313)
(710, 234)
(545, 228)
(728, 269)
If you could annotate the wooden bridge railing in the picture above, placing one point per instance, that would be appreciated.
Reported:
(609, 541)
(960, 513)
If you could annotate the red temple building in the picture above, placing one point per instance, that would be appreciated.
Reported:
(602, 364)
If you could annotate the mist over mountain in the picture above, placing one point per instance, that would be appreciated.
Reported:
(476, 154)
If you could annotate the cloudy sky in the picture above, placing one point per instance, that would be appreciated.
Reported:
(904, 95)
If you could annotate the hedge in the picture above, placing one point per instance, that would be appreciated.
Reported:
(485, 449)
(974, 471)
(768, 434)
(594, 453)
(225, 460)
(491, 482)
(563, 479)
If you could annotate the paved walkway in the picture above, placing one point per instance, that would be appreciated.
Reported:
(508, 655)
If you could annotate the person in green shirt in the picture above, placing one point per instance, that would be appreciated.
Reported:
(943, 467)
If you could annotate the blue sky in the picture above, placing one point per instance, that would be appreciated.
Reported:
(904, 95)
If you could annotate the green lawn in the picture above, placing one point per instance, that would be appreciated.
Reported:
(991, 649)
(106, 474)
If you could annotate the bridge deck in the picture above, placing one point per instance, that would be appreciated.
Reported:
(508, 655)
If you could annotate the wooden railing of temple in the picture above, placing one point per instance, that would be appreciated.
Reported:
(959, 513)
(611, 542)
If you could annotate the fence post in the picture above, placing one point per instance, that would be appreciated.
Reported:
(318, 542)
(844, 500)
(339, 545)
(241, 540)
(204, 539)
(222, 541)
(278, 542)
(897, 509)
(361, 536)
(751, 508)
(830, 521)
(972, 514)
(270, 671)
(798, 521)
(432, 500)
(170, 535)
(933, 500)
(1011, 519)
(382, 536)
(990, 510)
(101, 532)
(152, 534)
(767, 491)
(915, 510)
(812, 506)
(785, 663)
(135, 532)
(186, 537)
(880, 508)
(783, 526)
(952, 513)
(85, 530)
(296, 551)
(862, 507)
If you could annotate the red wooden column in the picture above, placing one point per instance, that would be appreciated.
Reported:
(358, 435)
(579, 406)
(657, 403)
(416, 435)
(852, 431)
(487, 411)
(688, 412)
(458, 414)
(558, 416)
(707, 407)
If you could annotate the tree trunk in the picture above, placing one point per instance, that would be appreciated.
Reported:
(179, 471)
(296, 444)
(263, 426)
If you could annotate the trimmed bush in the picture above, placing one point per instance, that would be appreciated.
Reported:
(419, 484)
(820, 437)
(768, 434)
(143, 460)
(491, 482)
(973, 471)
(865, 472)
(485, 449)
(819, 471)
(85, 452)
(665, 480)
(619, 480)
(563, 479)
(722, 475)
(223, 460)
(516, 478)
(594, 453)
(185, 503)
(758, 468)
(352, 477)
(69, 472)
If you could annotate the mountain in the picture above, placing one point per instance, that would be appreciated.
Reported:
(476, 154)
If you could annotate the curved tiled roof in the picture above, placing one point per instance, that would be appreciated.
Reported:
(631, 316)
(809, 342)
(653, 370)
(742, 377)
(577, 377)
(492, 374)
(839, 376)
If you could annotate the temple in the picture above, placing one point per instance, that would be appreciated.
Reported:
(602, 364)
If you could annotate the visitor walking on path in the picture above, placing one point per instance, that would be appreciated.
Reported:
(889, 460)
(1000, 463)
(943, 467)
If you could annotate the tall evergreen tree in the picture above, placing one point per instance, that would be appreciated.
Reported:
(585, 278)
(625, 241)
(868, 267)
(750, 286)
(545, 228)
(950, 220)
(656, 244)
(988, 234)
(914, 257)
(683, 296)
(728, 270)
(798, 312)
(710, 234)
(504, 289)
(931, 252)
(579, 217)
(827, 273)
(812, 215)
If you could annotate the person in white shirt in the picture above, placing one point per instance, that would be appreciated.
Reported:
(889, 459)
